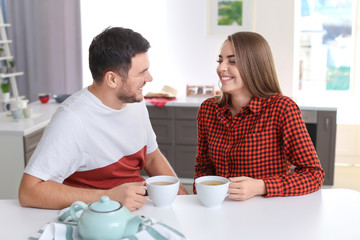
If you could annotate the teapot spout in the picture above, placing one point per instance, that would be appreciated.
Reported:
(132, 226)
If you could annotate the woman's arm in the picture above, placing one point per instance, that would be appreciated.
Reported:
(300, 151)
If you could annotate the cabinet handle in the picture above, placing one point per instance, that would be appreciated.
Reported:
(327, 120)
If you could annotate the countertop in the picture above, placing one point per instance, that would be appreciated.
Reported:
(183, 102)
(196, 102)
(41, 116)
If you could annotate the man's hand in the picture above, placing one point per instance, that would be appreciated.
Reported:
(243, 188)
(131, 195)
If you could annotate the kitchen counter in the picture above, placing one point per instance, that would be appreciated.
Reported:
(18, 140)
(41, 116)
(196, 102)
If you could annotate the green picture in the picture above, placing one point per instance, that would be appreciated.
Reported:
(230, 13)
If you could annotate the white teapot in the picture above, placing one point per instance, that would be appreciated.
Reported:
(18, 103)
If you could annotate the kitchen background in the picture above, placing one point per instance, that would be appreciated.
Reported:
(51, 40)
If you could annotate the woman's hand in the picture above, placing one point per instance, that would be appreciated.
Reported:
(243, 188)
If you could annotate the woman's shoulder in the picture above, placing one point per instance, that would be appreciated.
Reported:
(283, 101)
(210, 103)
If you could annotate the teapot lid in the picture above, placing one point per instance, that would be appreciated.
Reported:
(105, 205)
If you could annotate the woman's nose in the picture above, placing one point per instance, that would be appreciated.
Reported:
(222, 67)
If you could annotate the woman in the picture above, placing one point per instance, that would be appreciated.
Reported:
(251, 133)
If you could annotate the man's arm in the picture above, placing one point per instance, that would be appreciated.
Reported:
(34, 192)
(156, 164)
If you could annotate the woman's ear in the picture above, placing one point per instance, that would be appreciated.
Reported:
(110, 79)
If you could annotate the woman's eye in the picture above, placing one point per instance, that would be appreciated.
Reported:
(229, 61)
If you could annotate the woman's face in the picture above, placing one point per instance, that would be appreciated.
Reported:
(229, 75)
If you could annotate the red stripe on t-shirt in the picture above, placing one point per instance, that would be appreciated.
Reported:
(126, 169)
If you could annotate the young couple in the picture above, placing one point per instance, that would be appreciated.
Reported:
(101, 137)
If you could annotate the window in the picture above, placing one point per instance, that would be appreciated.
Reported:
(326, 44)
(327, 55)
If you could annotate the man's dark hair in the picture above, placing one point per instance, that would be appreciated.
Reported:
(113, 49)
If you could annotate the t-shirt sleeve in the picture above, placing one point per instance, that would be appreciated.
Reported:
(59, 152)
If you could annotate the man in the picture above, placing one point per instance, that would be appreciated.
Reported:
(101, 137)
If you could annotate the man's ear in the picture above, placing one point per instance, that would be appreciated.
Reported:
(110, 79)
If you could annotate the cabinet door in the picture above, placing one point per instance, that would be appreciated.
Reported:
(163, 129)
(185, 160)
(30, 143)
(186, 132)
(163, 113)
(186, 113)
(325, 143)
(168, 151)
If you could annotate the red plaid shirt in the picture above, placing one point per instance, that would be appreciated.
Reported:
(262, 142)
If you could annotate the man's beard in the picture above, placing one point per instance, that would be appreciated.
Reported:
(126, 96)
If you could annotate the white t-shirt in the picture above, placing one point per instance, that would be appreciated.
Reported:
(88, 144)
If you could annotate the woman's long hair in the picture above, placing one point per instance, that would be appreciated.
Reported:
(255, 63)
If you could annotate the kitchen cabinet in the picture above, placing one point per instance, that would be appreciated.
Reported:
(18, 140)
(164, 129)
(176, 130)
(321, 125)
(30, 142)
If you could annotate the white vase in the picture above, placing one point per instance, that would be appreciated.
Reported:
(5, 97)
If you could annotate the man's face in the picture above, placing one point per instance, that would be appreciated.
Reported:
(130, 90)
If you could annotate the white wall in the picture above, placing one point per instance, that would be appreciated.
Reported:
(182, 52)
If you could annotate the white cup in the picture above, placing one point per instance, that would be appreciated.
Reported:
(17, 113)
(162, 190)
(27, 112)
(212, 190)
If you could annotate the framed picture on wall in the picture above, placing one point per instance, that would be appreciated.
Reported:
(229, 16)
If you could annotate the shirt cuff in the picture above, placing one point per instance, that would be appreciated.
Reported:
(274, 188)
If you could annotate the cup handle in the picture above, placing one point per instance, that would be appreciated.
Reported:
(146, 192)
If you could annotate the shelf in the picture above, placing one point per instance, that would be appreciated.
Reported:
(5, 41)
(6, 58)
(200, 90)
(15, 74)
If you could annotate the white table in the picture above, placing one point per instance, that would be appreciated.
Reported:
(326, 214)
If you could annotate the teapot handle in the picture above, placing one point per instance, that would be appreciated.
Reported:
(73, 211)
